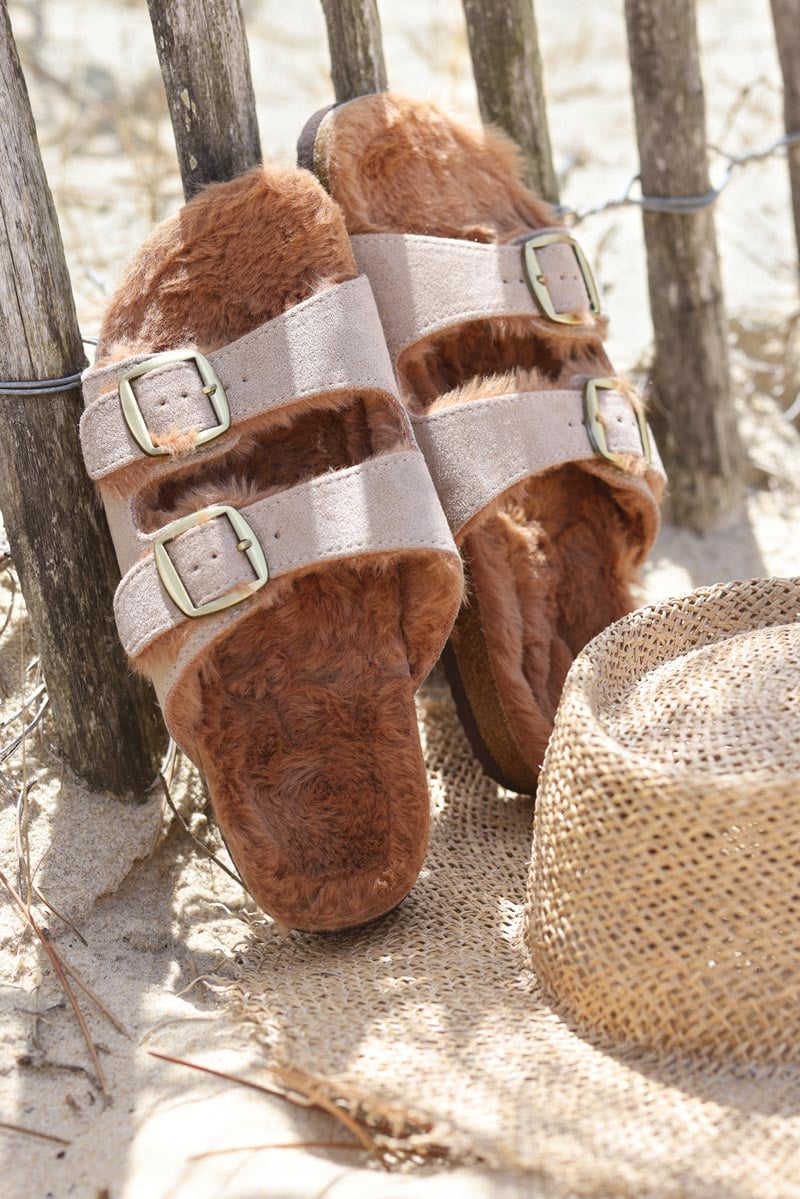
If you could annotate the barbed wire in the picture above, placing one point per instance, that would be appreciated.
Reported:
(684, 205)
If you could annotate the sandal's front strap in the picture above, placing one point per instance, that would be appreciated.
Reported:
(206, 567)
(424, 285)
(158, 405)
(477, 450)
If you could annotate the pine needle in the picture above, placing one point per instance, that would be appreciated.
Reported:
(196, 1157)
(317, 1101)
(24, 862)
(32, 1132)
(58, 966)
(200, 844)
(90, 994)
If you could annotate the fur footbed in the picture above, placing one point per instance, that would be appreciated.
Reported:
(302, 719)
(554, 560)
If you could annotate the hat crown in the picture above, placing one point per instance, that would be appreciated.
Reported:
(664, 895)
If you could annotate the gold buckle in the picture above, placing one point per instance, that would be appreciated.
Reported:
(212, 387)
(596, 429)
(536, 280)
(247, 543)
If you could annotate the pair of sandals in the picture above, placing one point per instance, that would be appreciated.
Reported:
(323, 399)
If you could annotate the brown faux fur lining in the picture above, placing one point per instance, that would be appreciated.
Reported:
(302, 718)
(554, 560)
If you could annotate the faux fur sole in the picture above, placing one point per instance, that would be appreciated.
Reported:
(302, 720)
(553, 561)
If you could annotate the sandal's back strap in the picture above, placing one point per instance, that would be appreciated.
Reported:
(476, 450)
(203, 570)
(147, 406)
(424, 285)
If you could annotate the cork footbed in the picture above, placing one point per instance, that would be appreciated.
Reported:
(302, 719)
(552, 562)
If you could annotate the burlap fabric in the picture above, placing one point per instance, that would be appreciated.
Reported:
(658, 1055)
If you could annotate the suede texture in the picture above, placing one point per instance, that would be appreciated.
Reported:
(554, 560)
(302, 719)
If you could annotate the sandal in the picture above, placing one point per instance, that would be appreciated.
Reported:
(542, 459)
(289, 577)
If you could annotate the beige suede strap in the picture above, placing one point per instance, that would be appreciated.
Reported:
(423, 285)
(330, 342)
(385, 505)
(478, 449)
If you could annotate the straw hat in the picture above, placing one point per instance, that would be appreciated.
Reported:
(632, 1027)
(664, 896)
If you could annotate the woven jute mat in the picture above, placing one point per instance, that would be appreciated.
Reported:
(431, 1028)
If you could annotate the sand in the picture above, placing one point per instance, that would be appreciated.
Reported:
(165, 927)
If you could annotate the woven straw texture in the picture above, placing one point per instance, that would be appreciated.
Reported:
(431, 1028)
(665, 886)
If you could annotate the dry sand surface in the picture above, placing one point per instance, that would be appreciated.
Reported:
(164, 927)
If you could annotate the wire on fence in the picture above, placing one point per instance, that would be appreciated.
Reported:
(40, 387)
(684, 205)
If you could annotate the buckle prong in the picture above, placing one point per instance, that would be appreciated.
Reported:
(248, 543)
(212, 387)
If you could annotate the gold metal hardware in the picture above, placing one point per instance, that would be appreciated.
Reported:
(213, 388)
(248, 543)
(537, 280)
(596, 429)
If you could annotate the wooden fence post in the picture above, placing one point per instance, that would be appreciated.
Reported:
(205, 64)
(106, 720)
(504, 46)
(356, 48)
(786, 19)
(693, 411)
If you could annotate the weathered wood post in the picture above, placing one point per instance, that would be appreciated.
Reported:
(786, 19)
(504, 45)
(205, 64)
(105, 719)
(356, 48)
(693, 410)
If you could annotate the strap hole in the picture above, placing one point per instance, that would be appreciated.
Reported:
(213, 555)
(277, 536)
